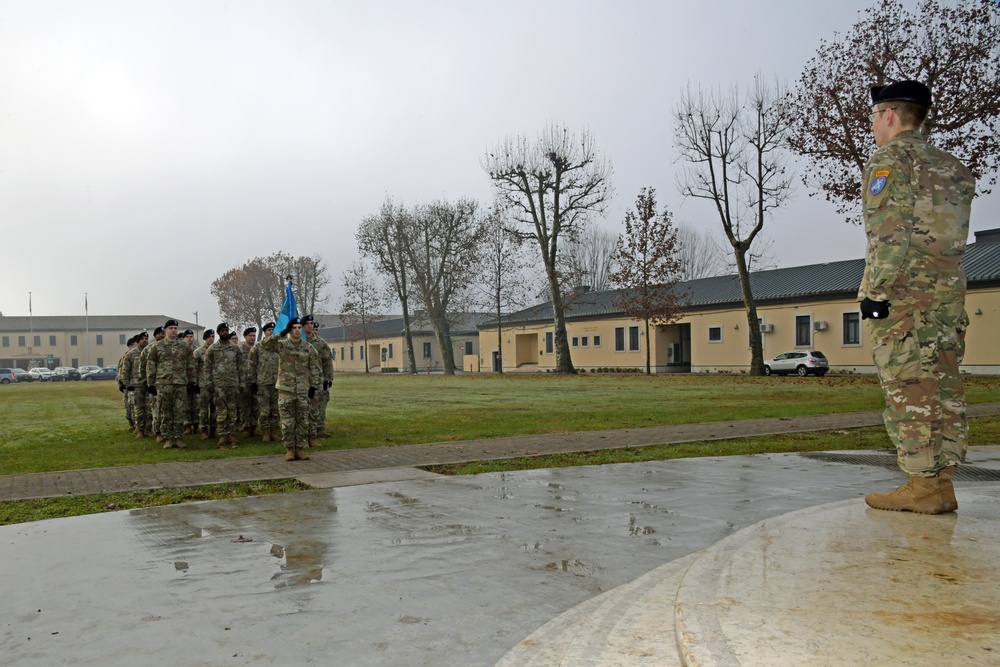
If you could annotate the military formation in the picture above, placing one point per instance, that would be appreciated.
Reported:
(277, 389)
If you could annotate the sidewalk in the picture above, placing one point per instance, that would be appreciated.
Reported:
(329, 469)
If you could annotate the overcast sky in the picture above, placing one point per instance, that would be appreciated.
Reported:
(148, 147)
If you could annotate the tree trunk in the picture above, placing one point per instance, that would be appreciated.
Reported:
(365, 349)
(564, 363)
(410, 357)
(442, 332)
(499, 337)
(756, 343)
(648, 371)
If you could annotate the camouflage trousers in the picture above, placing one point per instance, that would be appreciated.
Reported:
(294, 410)
(154, 408)
(249, 412)
(226, 405)
(140, 409)
(192, 411)
(317, 411)
(127, 401)
(206, 409)
(267, 408)
(917, 356)
(173, 409)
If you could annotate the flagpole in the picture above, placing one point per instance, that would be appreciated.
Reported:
(86, 323)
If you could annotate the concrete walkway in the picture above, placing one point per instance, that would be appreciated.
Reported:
(329, 469)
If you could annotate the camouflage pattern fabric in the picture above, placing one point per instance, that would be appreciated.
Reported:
(126, 396)
(317, 406)
(917, 201)
(263, 370)
(140, 406)
(248, 402)
(206, 406)
(152, 402)
(170, 367)
(223, 374)
(298, 370)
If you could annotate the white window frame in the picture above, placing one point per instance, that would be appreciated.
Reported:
(795, 328)
(709, 333)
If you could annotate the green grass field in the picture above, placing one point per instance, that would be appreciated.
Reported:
(65, 426)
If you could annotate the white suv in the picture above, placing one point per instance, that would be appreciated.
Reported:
(801, 362)
(40, 374)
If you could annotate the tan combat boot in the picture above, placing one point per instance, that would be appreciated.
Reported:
(179, 444)
(312, 442)
(290, 454)
(168, 444)
(947, 490)
(265, 438)
(223, 441)
(300, 455)
(204, 433)
(232, 440)
(160, 438)
(923, 495)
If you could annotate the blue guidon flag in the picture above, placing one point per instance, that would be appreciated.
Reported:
(288, 309)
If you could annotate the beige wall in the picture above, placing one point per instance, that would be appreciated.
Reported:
(343, 363)
(982, 349)
(92, 348)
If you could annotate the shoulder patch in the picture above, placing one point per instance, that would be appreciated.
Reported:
(877, 185)
(884, 172)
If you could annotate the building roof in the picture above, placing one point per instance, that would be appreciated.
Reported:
(76, 323)
(798, 283)
(462, 324)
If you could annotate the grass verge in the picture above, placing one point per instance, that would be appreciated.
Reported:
(21, 511)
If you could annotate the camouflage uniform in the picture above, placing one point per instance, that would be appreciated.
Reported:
(170, 368)
(206, 407)
(136, 386)
(223, 374)
(264, 371)
(917, 201)
(298, 371)
(248, 403)
(126, 395)
(152, 401)
(317, 406)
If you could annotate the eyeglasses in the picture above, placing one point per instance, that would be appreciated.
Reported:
(871, 116)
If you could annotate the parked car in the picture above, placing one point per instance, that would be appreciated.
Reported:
(7, 376)
(22, 375)
(40, 374)
(88, 369)
(109, 373)
(801, 362)
(66, 373)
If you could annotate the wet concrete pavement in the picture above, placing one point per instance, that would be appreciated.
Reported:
(438, 571)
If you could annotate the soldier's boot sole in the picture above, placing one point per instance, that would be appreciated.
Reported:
(922, 495)
(300, 455)
(290, 454)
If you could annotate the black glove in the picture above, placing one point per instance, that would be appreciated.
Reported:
(312, 392)
(151, 389)
(327, 385)
(121, 387)
(876, 310)
(192, 389)
(197, 388)
(253, 387)
(131, 388)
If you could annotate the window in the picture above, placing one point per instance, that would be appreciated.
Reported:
(549, 342)
(361, 352)
(576, 342)
(352, 353)
(100, 341)
(715, 334)
(37, 341)
(100, 361)
(619, 339)
(468, 347)
(72, 340)
(52, 341)
(390, 350)
(852, 328)
(6, 341)
(20, 341)
(342, 357)
(334, 354)
(803, 330)
(121, 339)
(597, 341)
(75, 363)
(583, 341)
(633, 339)
(427, 350)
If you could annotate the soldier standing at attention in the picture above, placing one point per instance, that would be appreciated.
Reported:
(317, 417)
(262, 376)
(191, 418)
(206, 408)
(123, 385)
(248, 402)
(299, 375)
(151, 399)
(170, 376)
(917, 202)
(224, 376)
(136, 385)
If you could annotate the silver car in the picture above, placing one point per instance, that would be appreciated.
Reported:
(800, 362)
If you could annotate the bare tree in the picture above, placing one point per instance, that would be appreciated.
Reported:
(361, 307)
(310, 275)
(699, 255)
(552, 187)
(952, 47)
(382, 239)
(588, 258)
(503, 285)
(648, 266)
(249, 294)
(442, 245)
(733, 151)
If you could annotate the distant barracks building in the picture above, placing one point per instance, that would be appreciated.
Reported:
(52, 341)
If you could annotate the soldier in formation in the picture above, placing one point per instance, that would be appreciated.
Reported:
(123, 385)
(135, 386)
(248, 402)
(262, 376)
(191, 417)
(151, 400)
(299, 377)
(317, 406)
(170, 378)
(223, 377)
(206, 407)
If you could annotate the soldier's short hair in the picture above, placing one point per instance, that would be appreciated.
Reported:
(911, 114)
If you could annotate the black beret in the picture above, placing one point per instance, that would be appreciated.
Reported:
(142, 334)
(157, 330)
(249, 330)
(269, 325)
(171, 323)
(187, 332)
(294, 320)
(308, 318)
(131, 340)
(902, 91)
(222, 325)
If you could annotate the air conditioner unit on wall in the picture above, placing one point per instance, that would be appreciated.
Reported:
(766, 328)
(819, 326)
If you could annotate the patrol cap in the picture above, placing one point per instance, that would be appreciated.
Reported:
(308, 318)
(222, 325)
(269, 325)
(157, 330)
(249, 330)
(208, 332)
(171, 323)
(902, 91)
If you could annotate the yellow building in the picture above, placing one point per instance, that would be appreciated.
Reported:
(52, 341)
(806, 307)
